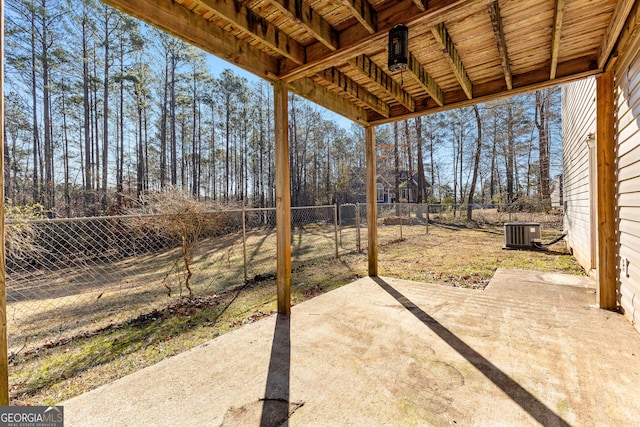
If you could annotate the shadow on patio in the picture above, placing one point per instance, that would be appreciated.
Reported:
(528, 350)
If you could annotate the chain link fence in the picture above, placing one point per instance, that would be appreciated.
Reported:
(69, 276)
(399, 221)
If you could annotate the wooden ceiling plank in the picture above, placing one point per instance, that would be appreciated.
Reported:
(305, 16)
(365, 65)
(364, 13)
(425, 80)
(308, 89)
(352, 44)
(179, 21)
(449, 50)
(620, 15)
(333, 75)
(555, 37)
(247, 20)
(498, 31)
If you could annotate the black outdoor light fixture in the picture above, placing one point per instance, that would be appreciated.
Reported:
(398, 48)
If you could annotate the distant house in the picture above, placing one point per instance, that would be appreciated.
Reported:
(384, 190)
(408, 188)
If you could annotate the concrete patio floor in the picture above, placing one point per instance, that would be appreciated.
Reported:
(531, 349)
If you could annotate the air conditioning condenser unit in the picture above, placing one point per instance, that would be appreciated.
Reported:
(519, 235)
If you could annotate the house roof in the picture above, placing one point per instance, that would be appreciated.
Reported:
(334, 52)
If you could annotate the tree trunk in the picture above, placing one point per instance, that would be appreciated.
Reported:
(7, 166)
(95, 163)
(227, 138)
(46, 112)
(88, 182)
(34, 101)
(510, 153)
(174, 137)
(214, 157)
(105, 118)
(542, 123)
(492, 179)
(120, 142)
(422, 187)
(163, 126)
(194, 113)
(65, 140)
(410, 198)
(476, 163)
(396, 159)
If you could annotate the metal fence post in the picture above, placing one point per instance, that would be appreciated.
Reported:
(244, 243)
(335, 225)
(428, 218)
(400, 216)
(340, 223)
(358, 227)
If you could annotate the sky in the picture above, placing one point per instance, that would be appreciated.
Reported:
(217, 65)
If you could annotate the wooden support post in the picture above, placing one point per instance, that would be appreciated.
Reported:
(4, 349)
(283, 197)
(372, 200)
(606, 192)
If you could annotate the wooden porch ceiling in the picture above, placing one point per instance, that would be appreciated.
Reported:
(334, 52)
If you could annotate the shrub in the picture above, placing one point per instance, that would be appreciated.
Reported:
(177, 215)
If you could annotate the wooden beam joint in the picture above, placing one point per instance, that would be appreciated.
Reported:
(498, 31)
(449, 50)
(425, 80)
(365, 65)
(364, 13)
(347, 85)
(555, 37)
(247, 20)
(313, 22)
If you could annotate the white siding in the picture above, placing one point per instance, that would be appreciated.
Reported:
(627, 111)
(578, 121)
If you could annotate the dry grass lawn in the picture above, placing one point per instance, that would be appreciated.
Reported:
(56, 370)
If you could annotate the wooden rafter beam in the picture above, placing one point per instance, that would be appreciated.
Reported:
(247, 20)
(304, 15)
(353, 41)
(498, 32)
(428, 84)
(450, 52)
(620, 15)
(555, 37)
(333, 75)
(182, 23)
(570, 71)
(312, 91)
(420, 5)
(366, 66)
(364, 13)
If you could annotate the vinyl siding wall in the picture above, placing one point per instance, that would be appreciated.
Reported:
(627, 111)
(579, 109)
(578, 121)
